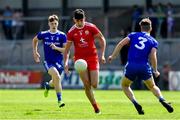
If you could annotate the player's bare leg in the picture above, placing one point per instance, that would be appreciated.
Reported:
(88, 89)
(126, 88)
(94, 78)
(156, 91)
(51, 83)
(56, 81)
(129, 93)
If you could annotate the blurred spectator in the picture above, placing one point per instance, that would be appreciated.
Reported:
(164, 28)
(156, 79)
(124, 54)
(160, 17)
(151, 14)
(1, 32)
(7, 22)
(165, 76)
(18, 25)
(170, 20)
(136, 16)
(124, 51)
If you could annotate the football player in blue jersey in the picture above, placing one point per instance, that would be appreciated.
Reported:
(53, 42)
(142, 54)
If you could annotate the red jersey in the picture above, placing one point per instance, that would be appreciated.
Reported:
(83, 39)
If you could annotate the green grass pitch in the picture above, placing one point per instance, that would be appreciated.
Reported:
(31, 104)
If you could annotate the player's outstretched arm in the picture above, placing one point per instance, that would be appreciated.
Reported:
(60, 49)
(36, 55)
(102, 43)
(153, 60)
(66, 56)
(117, 49)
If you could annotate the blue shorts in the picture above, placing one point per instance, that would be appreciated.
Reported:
(138, 71)
(57, 65)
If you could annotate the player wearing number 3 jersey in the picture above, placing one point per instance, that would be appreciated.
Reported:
(142, 49)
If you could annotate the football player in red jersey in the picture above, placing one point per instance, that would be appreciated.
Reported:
(82, 34)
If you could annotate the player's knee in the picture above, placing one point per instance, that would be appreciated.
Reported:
(94, 85)
(56, 76)
(124, 84)
(87, 85)
(151, 86)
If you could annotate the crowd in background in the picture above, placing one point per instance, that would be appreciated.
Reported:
(12, 25)
(161, 16)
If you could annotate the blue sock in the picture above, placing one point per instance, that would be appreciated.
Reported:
(135, 102)
(58, 96)
(161, 99)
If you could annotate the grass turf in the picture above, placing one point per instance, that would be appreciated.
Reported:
(31, 104)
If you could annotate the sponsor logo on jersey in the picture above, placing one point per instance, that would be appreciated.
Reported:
(86, 32)
(83, 43)
(57, 39)
(52, 37)
(46, 38)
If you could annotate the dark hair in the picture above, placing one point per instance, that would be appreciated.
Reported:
(145, 24)
(53, 18)
(79, 14)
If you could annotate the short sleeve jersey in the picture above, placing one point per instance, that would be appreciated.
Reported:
(83, 39)
(58, 38)
(141, 44)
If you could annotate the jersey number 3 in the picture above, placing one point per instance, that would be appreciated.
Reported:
(141, 44)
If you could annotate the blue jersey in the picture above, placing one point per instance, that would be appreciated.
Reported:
(141, 44)
(58, 38)
(138, 66)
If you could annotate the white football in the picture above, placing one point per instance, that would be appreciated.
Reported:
(80, 65)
